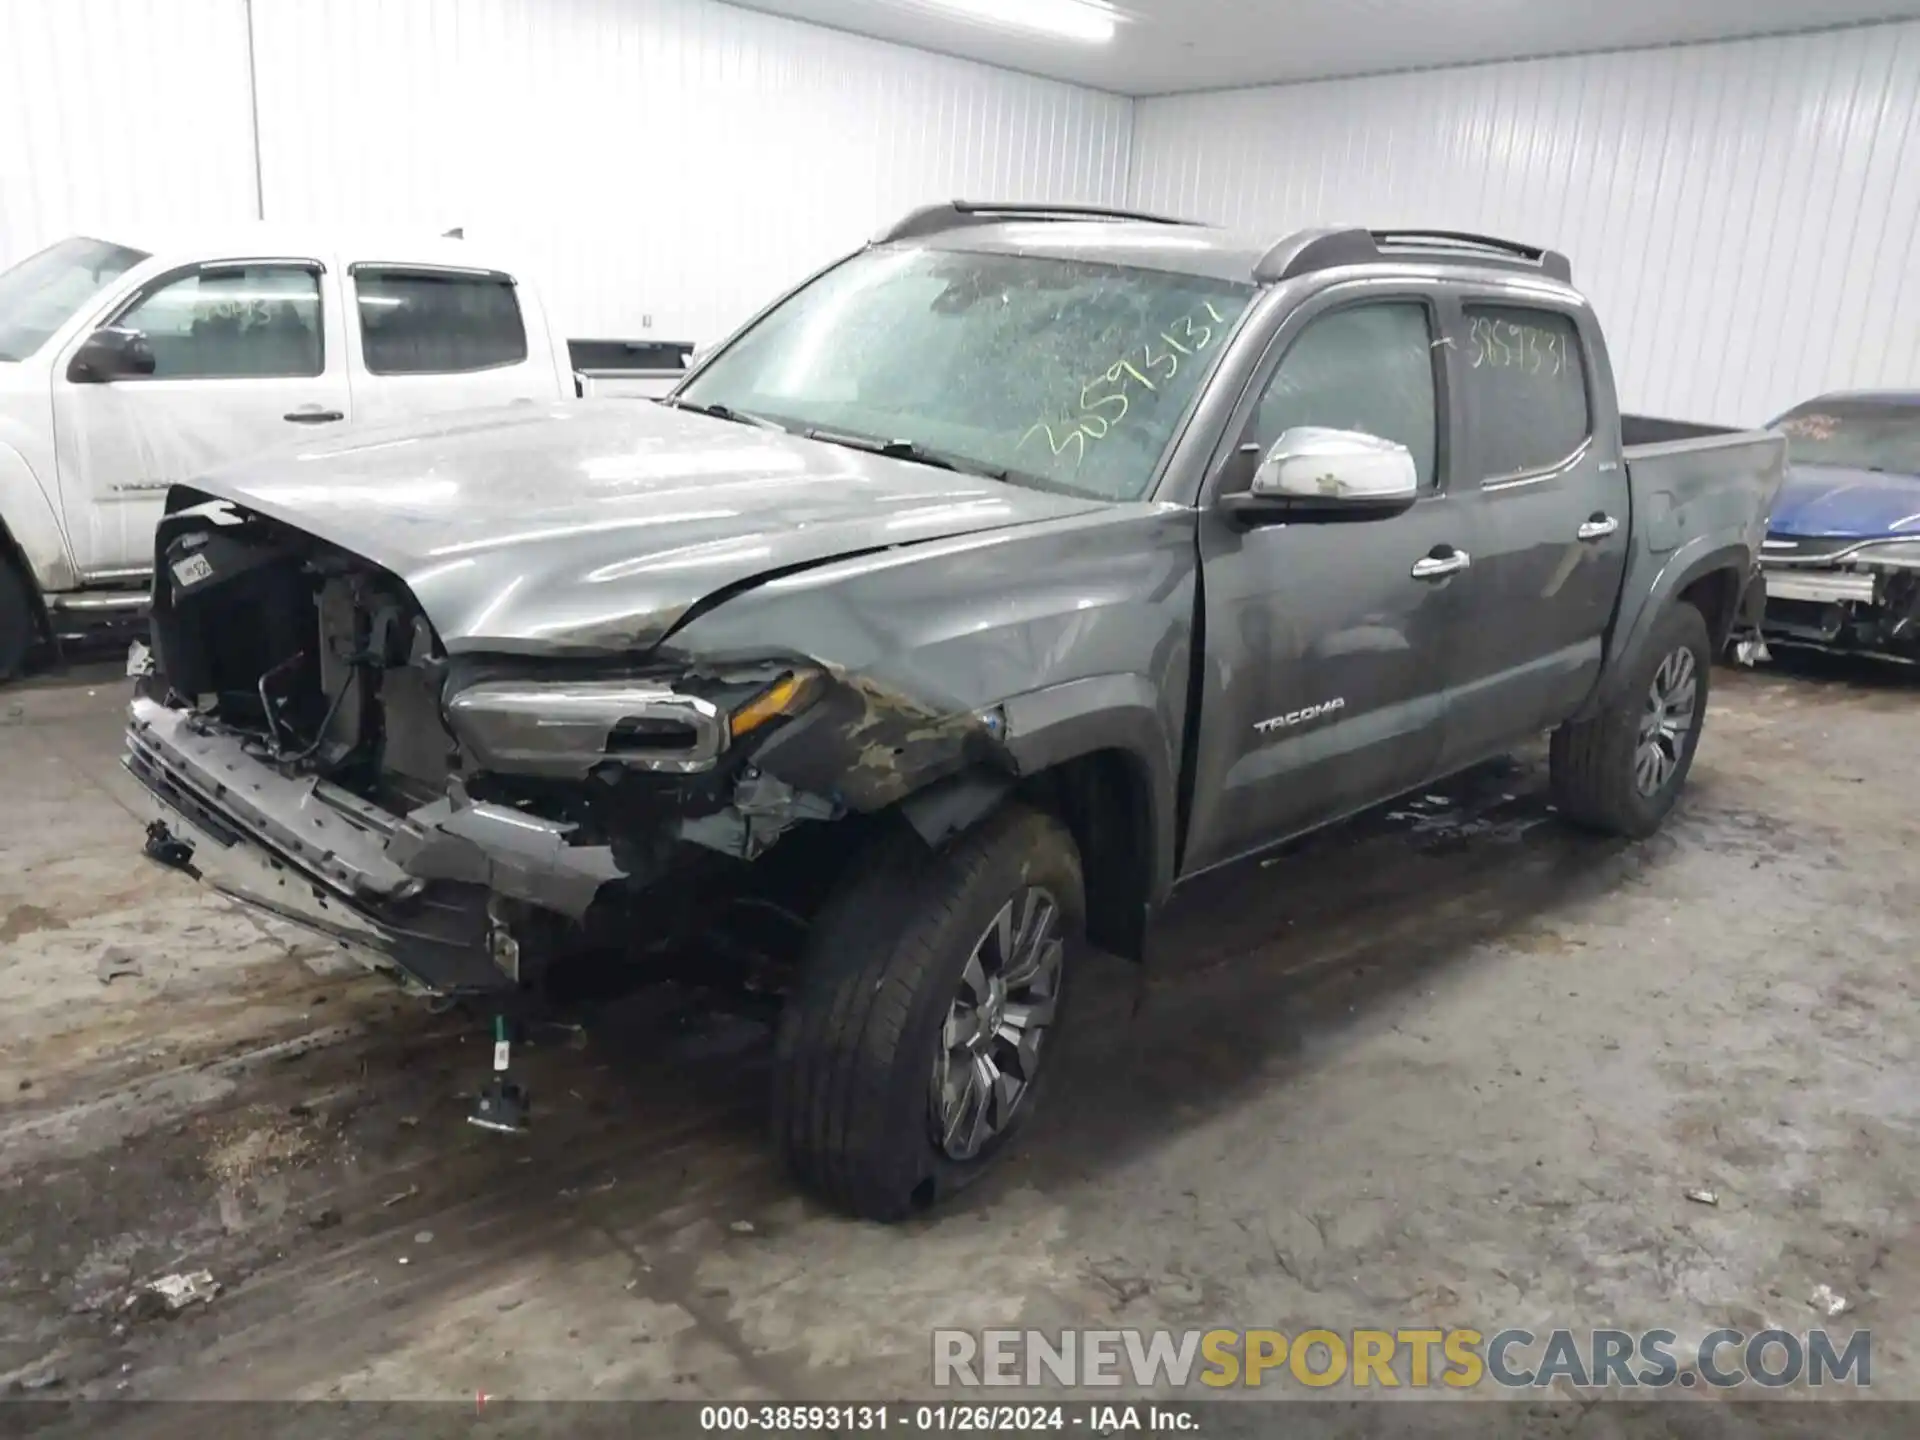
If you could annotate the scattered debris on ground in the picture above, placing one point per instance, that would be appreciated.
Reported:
(115, 963)
(1826, 1302)
(260, 1144)
(171, 1294)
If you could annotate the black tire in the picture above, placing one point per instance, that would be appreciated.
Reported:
(1594, 762)
(861, 1035)
(17, 628)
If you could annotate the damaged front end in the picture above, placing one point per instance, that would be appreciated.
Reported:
(468, 819)
(1844, 596)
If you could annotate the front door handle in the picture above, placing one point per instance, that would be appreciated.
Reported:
(314, 415)
(1438, 566)
(1598, 527)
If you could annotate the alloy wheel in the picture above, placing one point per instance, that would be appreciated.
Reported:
(1666, 722)
(992, 1040)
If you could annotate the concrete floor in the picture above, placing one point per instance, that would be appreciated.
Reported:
(1453, 1066)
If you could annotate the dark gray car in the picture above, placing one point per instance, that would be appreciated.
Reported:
(1004, 576)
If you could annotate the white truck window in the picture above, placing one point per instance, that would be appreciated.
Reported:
(40, 294)
(233, 322)
(427, 322)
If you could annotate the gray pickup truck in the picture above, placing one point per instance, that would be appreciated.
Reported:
(998, 580)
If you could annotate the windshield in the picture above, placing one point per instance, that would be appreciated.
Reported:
(1064, 374)
(40, 294)
(1855, 435)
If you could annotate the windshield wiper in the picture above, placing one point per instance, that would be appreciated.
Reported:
(908, 450)
(724, 412)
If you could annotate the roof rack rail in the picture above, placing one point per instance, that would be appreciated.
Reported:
(957, 214)
(1306, 251)
(1311, 250)
(1551, 262)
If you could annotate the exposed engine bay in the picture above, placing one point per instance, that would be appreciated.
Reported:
(474, 818)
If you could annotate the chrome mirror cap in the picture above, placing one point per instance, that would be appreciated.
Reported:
(1311, 463)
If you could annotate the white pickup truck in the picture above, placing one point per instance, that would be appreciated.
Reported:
(125, 368)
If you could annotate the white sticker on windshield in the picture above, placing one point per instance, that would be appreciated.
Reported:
(192, 570)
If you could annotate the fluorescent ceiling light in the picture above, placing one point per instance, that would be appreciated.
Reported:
(1093, 21)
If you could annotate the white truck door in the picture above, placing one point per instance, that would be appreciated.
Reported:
(434, 338)
(247, 354)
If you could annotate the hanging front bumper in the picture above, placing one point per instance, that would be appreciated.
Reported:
(405, 892)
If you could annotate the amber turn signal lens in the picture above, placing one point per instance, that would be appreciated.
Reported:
(786, 696)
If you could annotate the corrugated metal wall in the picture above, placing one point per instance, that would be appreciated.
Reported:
(120, 112)
(668, 158)
(678, 160)
(1746, 216)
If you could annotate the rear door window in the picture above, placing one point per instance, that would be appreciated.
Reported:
(436, 322)
(1525, 378)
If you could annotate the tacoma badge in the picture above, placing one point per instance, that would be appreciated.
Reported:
(1300, 717)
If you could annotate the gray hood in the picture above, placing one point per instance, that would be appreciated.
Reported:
(592, 526)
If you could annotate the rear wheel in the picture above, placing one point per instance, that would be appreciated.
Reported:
(17, 628)
(1622, 770)
(915, 1045)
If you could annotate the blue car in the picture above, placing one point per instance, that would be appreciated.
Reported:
(1842, 555)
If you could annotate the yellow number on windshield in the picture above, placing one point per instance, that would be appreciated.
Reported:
(1093, 406)
(1101, 413)
(1076, 438)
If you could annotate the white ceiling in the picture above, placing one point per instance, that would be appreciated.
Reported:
(1173, 45)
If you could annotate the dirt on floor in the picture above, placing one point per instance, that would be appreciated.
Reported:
(1450, 1065)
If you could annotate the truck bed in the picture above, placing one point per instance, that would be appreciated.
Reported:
(1642, 431)
(628, 367)
(1692, 481)
(1697, 491)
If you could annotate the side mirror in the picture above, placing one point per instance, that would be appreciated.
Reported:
(1314, 473)
(111, 353)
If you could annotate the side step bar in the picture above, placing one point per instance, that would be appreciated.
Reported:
(98, 602)
(80, 616)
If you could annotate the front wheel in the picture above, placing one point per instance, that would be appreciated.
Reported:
(1622, 770)
(915, 1044)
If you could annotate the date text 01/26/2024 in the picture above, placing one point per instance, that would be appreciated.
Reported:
(934, 1419)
